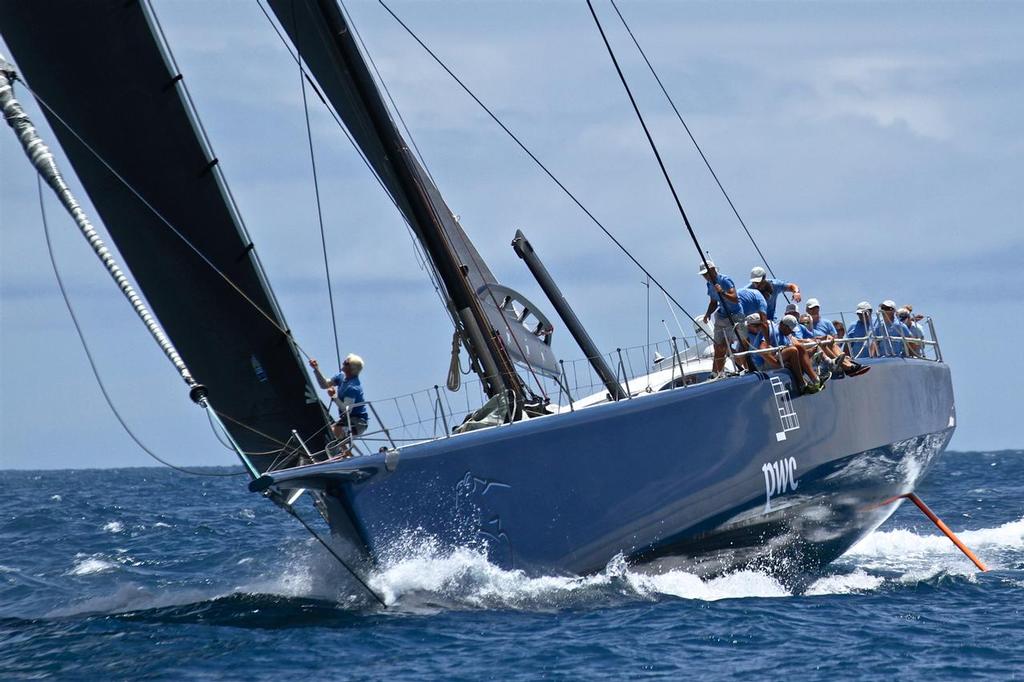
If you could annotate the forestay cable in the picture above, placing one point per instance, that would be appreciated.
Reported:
(92, 361)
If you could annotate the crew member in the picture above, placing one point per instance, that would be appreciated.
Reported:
(771, 288)
(724, 303)
(346, 390)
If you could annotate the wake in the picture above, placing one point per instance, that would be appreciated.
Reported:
(421, 577)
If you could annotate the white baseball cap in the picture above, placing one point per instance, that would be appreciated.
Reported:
(888, 303)
(705, 266)
(758, 275)
(753, 317)
(813, 303)
(863, 307)
(789, 321)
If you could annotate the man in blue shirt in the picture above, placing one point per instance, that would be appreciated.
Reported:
(725, 304)
(890, 332)
(346, 391)
(914, 348)
(864, 327)
(819, 325)
(772, 288)
(798, 357)
(762, 335)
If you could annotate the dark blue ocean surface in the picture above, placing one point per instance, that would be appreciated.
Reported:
(150, 573)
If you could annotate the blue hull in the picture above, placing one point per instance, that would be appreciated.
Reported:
(696, 477)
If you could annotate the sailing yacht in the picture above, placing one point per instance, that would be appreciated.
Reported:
(650, 465)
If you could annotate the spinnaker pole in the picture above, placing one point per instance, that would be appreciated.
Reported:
(42, 158)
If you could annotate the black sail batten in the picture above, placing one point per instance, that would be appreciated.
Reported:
(321, 34)
(99, 65)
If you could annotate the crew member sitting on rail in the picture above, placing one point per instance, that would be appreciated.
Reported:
(803, 366)
(914, 348)
(345, 389)
(824, 334)
(863, 328)
(889, 331)
(725, 305)
(771, 288)
(819, 325)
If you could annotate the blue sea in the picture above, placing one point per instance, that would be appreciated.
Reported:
(148, 573)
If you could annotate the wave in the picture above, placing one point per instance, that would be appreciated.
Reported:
(901, 549)
(419, 576)
(91, 565)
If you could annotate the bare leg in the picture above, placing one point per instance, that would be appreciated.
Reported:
(719, 362)
(792, 362)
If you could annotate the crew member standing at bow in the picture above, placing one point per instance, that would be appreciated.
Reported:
(346, 390)
(725, 304)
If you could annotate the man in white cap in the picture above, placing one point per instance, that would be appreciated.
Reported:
(914, 348)
(824, 334)
(724, 303)
(801, 365)
(819, 325)
(864, 328)
(771, 288)
(891, 332)
(346, 390)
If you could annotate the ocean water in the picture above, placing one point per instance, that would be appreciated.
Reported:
(147, 573)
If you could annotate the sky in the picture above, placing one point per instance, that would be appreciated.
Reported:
(874, 150)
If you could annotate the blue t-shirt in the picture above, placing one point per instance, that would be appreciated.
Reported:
(889, 337)
(352, 390)
(770, 335)
(803, 332)
(824, 327)
(778, 286)
(752, 301)
(859, 349)
(726, 283)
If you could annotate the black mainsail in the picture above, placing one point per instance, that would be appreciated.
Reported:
(322, 36)
(113, 99)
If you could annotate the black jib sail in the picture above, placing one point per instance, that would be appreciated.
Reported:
(321, 34)
(113, 99)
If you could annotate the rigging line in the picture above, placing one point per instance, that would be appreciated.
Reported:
(228, 446)
(647, 132)
(217, 172)
(541, 165)
(431, 275)
(509, 368)
(316, 191)
(384, 85)
(92, 361)
(291, 510)
(694, 140)
(426, 168)
(164, 220)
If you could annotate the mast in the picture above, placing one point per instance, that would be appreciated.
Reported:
(482, 343)
(489, 329)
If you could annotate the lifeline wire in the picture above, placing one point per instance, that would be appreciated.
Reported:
(537, 161)
(316, 191)
(88, 352)
(693, 139)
